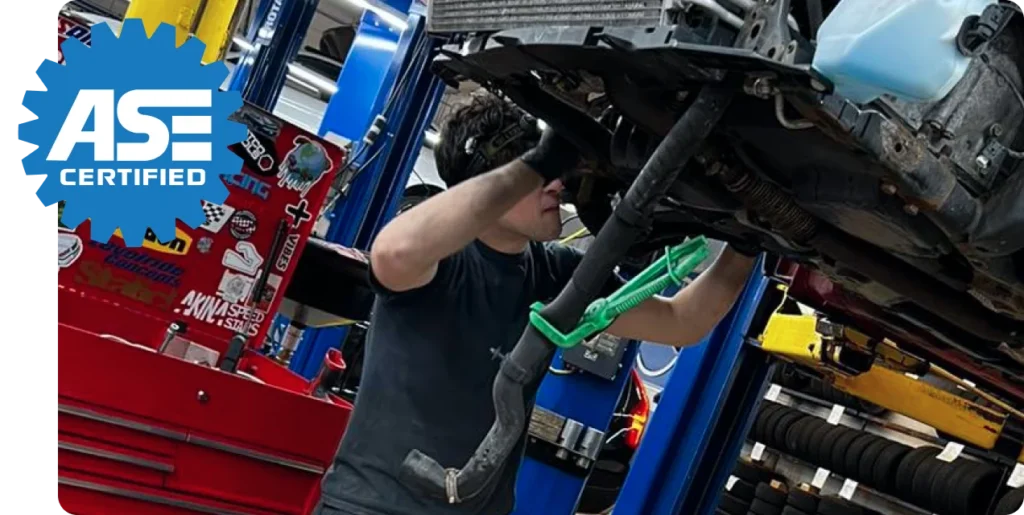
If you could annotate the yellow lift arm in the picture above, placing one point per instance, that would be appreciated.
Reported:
(881, 373)
(212, 21)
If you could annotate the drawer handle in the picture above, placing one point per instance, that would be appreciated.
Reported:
(145, 497)
(116, 456)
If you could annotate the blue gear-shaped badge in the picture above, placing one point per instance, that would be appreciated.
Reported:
(122, 64)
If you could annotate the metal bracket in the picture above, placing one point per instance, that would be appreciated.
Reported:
(767, 31)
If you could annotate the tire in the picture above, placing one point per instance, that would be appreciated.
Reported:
(742, 490)
(795, 434)
(732, 505)
(804, 501)
(837, 506)
(823, 452)
(782, 427)
(759, 507)
(1010, 503)
(760, 426)
(908, 467)
(921, 486)
(768, 432)
(752, 473)
(789, 510)
(941, 492)
(814, 425)
(883, 475)
(866, 467)
(851, 464)
(839, 449)
(976, 487)
(770, 495)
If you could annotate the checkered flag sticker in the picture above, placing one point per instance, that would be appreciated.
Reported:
(216, 216)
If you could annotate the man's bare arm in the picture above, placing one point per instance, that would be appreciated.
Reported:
(405, 254)
(692, 313)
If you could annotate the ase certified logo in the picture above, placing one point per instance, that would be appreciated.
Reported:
(133, 133)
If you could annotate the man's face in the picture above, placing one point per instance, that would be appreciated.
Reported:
(537, 216)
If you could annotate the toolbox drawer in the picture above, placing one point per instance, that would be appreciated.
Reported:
(85, 495)
(102, 459)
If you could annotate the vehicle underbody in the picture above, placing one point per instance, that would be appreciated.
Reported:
(914, 211)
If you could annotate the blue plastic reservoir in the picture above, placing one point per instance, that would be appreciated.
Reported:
(905, 48)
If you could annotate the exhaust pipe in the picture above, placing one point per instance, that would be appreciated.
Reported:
(524, 367)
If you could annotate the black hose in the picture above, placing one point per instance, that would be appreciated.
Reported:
(525, 365)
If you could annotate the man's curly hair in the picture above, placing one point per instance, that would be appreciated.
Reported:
(476, 123)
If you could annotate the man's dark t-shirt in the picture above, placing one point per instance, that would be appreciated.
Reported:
(427, 377)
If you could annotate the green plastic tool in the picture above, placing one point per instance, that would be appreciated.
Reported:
(672, 267)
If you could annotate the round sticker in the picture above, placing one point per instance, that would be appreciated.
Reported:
(243, 225)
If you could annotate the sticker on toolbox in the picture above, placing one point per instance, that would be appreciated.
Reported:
(284, 259)
(258, 154)
(107, 279)
(69, 247)
(298, 213)
(270, 290)
(303, 166)
(216, 216)
(141, 263)
(243, 225)
(214, 310)
(250, 184)
(178, 246)
(204, 245)
(243, 258)
(235, 287)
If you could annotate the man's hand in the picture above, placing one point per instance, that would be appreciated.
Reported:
(553, 157)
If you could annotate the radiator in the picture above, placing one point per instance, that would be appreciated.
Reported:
(448, 16)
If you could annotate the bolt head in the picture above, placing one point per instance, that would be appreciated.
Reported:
(888, 188)
(202, 397)
(911, 209)
(982, 162)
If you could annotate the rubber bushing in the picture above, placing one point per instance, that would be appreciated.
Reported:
(766, 410)
(839, 448)
(769, 426)
(814, 427)
(795, 433)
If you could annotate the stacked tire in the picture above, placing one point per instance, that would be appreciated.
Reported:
(962, 487)
(867, 458)
(769, 499)
(1010, 503)
(740, 494)
(837, 506)
(800, 502)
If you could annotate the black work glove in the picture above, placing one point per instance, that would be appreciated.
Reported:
(553, 157)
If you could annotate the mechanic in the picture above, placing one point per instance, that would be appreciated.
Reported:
(454, 278)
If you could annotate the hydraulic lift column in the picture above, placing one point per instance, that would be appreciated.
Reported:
(386, 74)
(212, 21)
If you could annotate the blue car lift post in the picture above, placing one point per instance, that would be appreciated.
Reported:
(694, 438)
(386, 72)
(691, 442)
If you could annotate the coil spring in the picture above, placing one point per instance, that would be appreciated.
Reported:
(770, 203)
